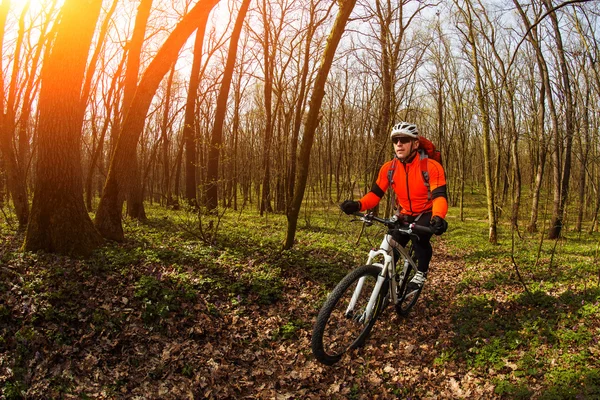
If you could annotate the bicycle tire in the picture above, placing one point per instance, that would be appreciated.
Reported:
(334, 331)
(406, 299)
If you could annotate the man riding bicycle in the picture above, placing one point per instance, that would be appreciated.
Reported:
(421, 199)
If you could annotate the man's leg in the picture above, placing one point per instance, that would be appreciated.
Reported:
(403, 241)
(423, 252)
(422, 246)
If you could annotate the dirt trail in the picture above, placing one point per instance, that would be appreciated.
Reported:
(398, 360)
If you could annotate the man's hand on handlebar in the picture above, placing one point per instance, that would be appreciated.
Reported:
(350, 207)
(438, 225)
(398, 223)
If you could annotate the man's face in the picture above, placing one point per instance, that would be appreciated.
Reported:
(404, 146)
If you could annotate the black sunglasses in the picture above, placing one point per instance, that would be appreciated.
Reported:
(402, 139)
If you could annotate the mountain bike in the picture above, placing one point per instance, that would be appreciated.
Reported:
(351, 309)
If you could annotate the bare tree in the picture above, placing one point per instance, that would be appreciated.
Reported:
(269, 44)
(108, 216)
(217, 133)
(314, 23)
(189, 127)
(544, 95)
(15, 172)
(312, 119)
(471, 37)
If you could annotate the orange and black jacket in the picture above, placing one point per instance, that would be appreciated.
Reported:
(409, 187)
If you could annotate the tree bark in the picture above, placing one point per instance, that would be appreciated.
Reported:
(59, 221)
(584, 150)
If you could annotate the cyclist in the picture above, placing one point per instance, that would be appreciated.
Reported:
(426, 206)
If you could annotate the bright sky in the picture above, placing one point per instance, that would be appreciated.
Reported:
(34, 4)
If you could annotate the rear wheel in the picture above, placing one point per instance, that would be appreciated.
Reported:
(337, 330)
(407, 297)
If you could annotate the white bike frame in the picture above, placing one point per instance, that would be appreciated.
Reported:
(388, 268)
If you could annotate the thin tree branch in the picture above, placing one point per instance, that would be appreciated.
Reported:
(536, 23)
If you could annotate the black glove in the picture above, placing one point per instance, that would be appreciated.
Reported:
(438, 225)
(350, 206)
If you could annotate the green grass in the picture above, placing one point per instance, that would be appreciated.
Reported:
(547, 337)
(545, 341)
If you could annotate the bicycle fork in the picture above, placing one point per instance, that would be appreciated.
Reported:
(366, 314)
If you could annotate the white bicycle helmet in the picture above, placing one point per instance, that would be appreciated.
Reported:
(405, 129)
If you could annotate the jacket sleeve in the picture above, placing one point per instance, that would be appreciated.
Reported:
(372, 198)
(437, 182)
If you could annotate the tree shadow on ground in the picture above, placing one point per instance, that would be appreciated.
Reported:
(551, 334)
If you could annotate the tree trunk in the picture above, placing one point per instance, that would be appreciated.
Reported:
(483, 110)
(584, 151)
(312, 119)
(516, 165)
(237, 98)
(300, 104)
(177, 176)
(216, 142)
(269, 50)
(15, 179)
(135, 197)
(189, 126)
(541, 162)
(545, 94)
(108, 216)
(59, 221)
(165, 140)
(564, 178)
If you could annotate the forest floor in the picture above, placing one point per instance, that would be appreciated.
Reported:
(167, 316)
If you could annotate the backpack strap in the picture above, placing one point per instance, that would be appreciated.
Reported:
(425, 171)
(390, 176)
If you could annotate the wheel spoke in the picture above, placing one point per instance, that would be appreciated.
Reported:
(338, 329)
(340, 333)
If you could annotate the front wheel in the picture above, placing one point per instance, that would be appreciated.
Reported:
(339, 329)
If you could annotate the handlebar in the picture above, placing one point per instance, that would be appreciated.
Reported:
(393, 223)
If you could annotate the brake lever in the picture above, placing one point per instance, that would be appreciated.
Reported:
(408, 230)
(364, 220)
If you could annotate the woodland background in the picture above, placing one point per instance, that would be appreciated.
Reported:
(223, 116)
(132, 128)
